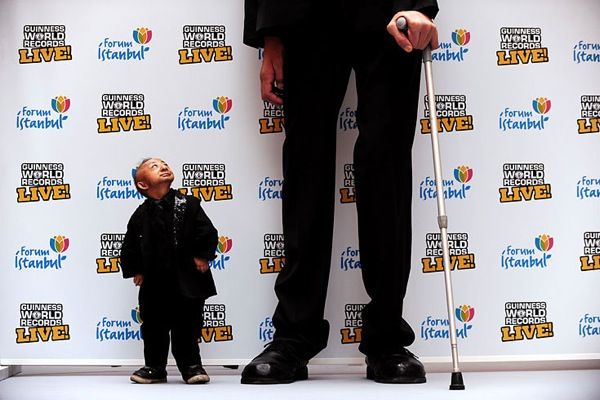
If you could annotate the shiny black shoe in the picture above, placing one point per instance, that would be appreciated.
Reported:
(195, 374)
(149, 375)
(401, 367)
(278, 363)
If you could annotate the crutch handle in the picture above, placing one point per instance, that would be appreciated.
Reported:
(402, 25)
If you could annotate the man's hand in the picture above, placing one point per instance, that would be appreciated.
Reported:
(271, 72)
(138, 279)
(421, 31)
(201, 264)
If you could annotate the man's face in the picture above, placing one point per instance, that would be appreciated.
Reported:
(154, 172)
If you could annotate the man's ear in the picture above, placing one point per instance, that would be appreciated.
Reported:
(142, 185)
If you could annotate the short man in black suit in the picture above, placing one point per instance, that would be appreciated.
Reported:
(166, 250)
(310, 48)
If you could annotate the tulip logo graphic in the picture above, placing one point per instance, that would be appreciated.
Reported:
(511, 119)
(222, 104)
(463, 174)
(454, 50)
(544, 242)
(142, 35)
(528, 258)
(461, 37)
(61, 104)
(192, 118)
(135, 315)
(456, 188)
(541, 105)
(465, 313)
(224, 245)
(126, 50)
(433, 328)
(59, 244)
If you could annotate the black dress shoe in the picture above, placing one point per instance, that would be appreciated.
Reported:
(401, 367)
(195, 374)
(149, 375)
(278, 363)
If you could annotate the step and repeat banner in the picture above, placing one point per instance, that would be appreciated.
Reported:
(91, 88)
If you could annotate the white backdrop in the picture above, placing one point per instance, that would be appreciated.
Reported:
(527, 249)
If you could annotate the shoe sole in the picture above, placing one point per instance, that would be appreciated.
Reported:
(198, 379)
(396, 379)
(301, 375)
(139, 379)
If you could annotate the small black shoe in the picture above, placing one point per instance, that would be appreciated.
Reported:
(195, 374)
(401, 367)
(278, 363)
(149, 375)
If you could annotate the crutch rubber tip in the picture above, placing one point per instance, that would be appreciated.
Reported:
(456, 382)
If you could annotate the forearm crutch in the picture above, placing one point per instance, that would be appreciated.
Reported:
(456, 382)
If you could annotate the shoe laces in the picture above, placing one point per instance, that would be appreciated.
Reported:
(151, 370)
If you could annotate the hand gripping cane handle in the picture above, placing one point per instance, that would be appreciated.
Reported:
(402, 26)
(456, 382)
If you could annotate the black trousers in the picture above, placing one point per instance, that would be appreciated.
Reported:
(164, 311)
(316, 73)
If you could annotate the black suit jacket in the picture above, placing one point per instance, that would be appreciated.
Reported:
(264, 17)
(196, 237)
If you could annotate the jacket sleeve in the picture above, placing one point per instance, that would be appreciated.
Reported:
(427, 7)
(131, 254)
(271, 17)
(251, 37)
(205, 235)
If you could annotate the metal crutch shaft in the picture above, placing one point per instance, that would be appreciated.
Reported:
(456, 382)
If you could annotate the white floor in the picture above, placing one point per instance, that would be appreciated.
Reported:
(325, 382)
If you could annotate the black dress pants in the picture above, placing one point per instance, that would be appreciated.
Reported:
(164, 311)
(317, 67)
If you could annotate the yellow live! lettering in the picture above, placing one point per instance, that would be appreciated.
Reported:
(44, 193)
(269, 266)
(44, 333)
(436, 264)
(347, 195)
(210, 193)
(209, 54)
(351, 335)
(271, 125)
(525, 56)
(119, 124)
(527, 193)
(590, 263)
(591, 126)
(217, 334)
(532, 331)
(107, 266)
(46, 54)
(448, 124)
